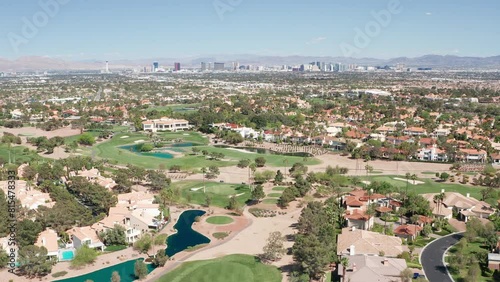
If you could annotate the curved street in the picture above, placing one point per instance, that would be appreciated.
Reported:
(432, 258)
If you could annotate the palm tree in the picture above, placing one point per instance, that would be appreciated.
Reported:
(413, 178)
(407, 176)
(439, 198)
(345, 263)
(368, 169)
(285, 161)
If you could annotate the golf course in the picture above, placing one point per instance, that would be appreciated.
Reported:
(241, 268)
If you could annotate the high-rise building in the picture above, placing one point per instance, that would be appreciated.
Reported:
(218, 66)
(177, 66)
(155, 66)
(203, 66)
(107, 67)
(236, 65)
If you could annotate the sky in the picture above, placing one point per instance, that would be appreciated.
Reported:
(125, 29)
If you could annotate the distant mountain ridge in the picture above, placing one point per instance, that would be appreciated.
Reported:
(35, 63)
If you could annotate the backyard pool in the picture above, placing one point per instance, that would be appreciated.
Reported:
(185, 236)
(67, 255)
(125, 269)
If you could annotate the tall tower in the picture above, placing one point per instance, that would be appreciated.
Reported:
(107, 67)
(155, 66)
(177, 66)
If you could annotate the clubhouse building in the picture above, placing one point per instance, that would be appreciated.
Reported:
(165, 124)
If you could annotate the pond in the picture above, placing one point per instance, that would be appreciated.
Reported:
(125, 269)
(266, 151)
(185, 236)
(159, 152)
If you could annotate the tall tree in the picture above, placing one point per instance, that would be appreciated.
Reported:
(33, 261)
(274, 248)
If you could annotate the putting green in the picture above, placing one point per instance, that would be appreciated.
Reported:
(219, 220)
(241, 268)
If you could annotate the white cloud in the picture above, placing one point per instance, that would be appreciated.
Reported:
(316, 40)
(428, 14)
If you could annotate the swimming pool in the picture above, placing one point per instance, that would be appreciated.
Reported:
(67, 255)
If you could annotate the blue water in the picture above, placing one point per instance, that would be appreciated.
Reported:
(68, 255)
(177, 147)
(125, 269)
(185, 236)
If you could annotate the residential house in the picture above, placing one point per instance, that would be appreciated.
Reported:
(358, 219)
(432, 153)
(465, 206)
(85, 236)
(415, 131)
(360, 199)
(94, 175)
(494, 261)
(495, 159)
(363, 268)
(16, 114)
(30, 198)
(48, 239)
(165, 124)
(472, 155)
(407, 231)
(355, 241)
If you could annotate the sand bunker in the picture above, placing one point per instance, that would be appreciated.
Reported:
(123, 137)
(237, 195)
(139, 141)
(196, 189)
(240, 150)
(414, 182)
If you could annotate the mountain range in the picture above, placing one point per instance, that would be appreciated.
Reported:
(35, 63)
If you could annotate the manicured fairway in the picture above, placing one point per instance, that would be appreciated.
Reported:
(241, 268)
(192, 192)
(219, 220)
(274, 195)
(111, 150)
(430, 186)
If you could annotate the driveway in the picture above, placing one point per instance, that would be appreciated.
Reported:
(432, 258)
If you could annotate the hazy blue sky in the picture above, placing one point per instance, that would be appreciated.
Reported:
(119, 29)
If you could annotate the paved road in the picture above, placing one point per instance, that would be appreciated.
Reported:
(432, 258)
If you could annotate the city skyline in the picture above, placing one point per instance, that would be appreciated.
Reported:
(72, 30)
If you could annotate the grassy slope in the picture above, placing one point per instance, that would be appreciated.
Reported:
(241, 268)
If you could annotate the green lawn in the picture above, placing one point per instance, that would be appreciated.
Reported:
(114, 248)
(274, 195)
(18, 154)
(110, 150)
(279, 188)
(475, 247)
(241, 268)
(219, 220)
(219, 192)
(430, 186)
(271, 159)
